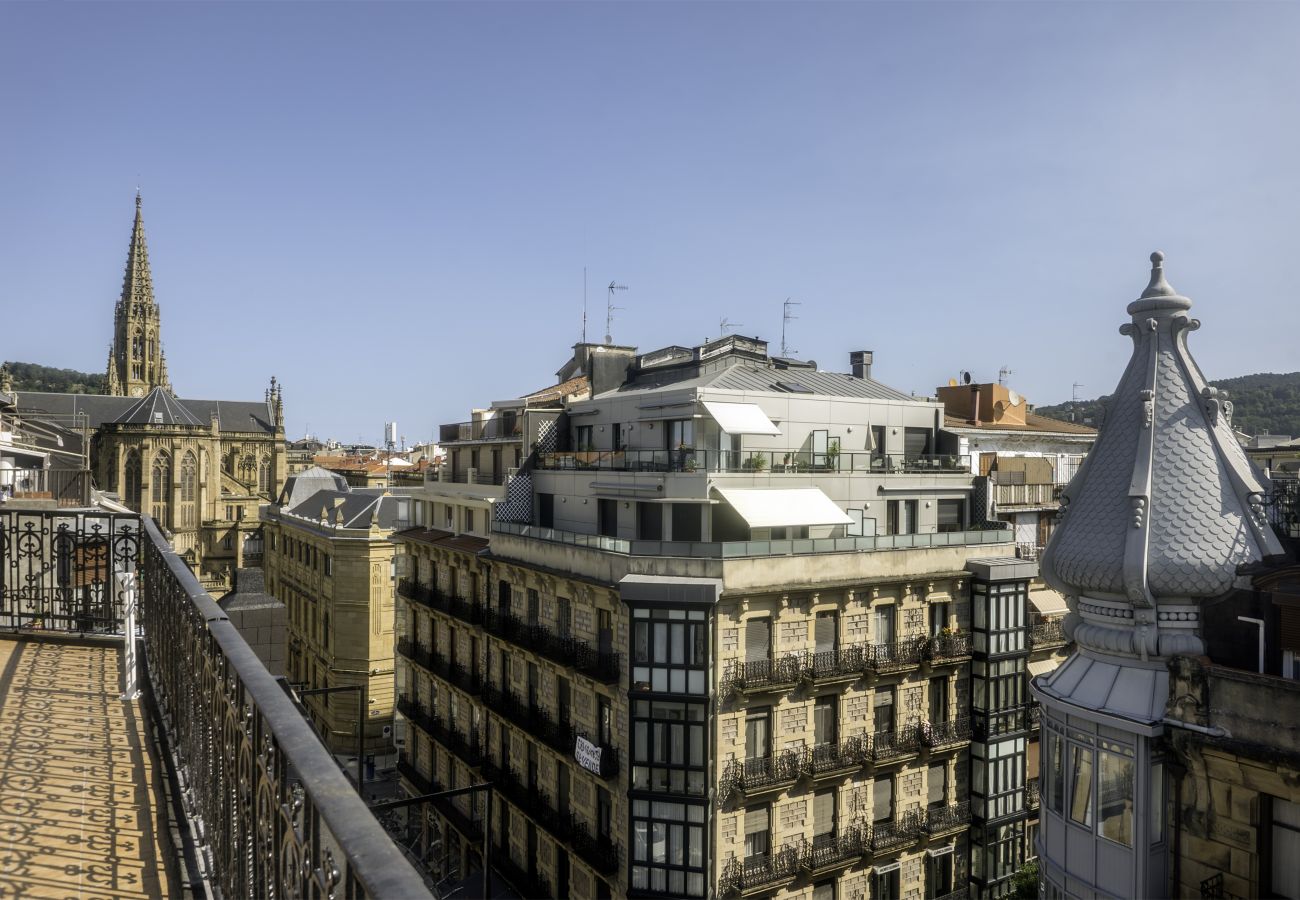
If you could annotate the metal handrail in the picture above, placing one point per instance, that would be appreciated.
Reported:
(754, 462)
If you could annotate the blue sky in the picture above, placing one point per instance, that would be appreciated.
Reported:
(389, 206)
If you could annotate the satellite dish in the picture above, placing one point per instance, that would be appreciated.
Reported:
(999, 409)
(952, 382)
(1014, 398)
(965, 377)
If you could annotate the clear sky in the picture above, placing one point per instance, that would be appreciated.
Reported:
(389, 206)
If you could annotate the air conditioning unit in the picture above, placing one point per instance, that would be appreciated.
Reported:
(388, 731)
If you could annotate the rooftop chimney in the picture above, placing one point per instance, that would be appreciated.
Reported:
(860, 361)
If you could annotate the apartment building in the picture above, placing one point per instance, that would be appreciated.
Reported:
(329, 560)
(715, 640)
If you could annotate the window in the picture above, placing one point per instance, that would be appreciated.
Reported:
(668, 747)
(1081, 785)
(825, 721)
(757, 828)
(939, 617)
(884, 883)
(952, 515)
(679, 434)
(563, 616)
(534, 607)
(885, 616)
(823, 817)
(583, 439)
(826, 629)
(916, 443)
(607, 517)
(882, 800)
(669, 650)
(938, 700)
(687, 522)
(939, 879)
(883, 705)
(668, 847)
(618, 436)
(1116, 799)
(546, 510)
(329, 565)
(758, 640)
(758, 733)
(1285, 834)
(937, 782)
(824, 891)
(649, 521)
(604, 721)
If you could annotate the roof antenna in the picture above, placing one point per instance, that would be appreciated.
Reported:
(723, 325)
(609, 310)
(584, 304)
(785, 319)
(1003, 374)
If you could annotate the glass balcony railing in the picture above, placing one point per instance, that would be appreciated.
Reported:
(270, 811)
(756, 462)
(746, 549)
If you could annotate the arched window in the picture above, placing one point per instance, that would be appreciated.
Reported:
(264, 476)
(160, 478)
(137, 354)
(189, 488)
(131, 480)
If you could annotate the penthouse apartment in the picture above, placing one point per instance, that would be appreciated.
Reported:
(716, 639)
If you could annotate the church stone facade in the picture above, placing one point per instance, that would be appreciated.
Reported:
(200, 468)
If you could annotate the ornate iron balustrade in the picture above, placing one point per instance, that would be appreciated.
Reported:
(1003, 721)
(416, 713)
(946, 818)
(598, 851)
(950, 646)
(1031, 794)
(272, 812)
(763, 773)
(1048, 633)
(959, 894)
(896, 655)
(763, 674)
(525, 883)
(825, 760)
(563, 649)
(887, 746)
(942, 735)
(903, 830)
(830, 851)
(764, 871)
(842, 663)
(559, 736)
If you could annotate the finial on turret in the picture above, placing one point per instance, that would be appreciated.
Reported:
(1158, 287)
(137, 198)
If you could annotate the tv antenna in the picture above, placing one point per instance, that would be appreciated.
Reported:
(609, 310)
(724, 324)
(785, 319)
(584, 304)
(1003, 374)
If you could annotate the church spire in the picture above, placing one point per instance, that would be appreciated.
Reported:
(136, 363)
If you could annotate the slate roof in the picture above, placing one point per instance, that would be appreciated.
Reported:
(759, 379)
(158, 408)
(348, 509)
(1161, 508)
(232, 415)
(248, 592)
(297, 488)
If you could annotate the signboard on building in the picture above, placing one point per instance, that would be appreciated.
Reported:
(587, 754)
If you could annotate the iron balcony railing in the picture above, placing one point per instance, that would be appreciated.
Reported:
(896, 656)
(760, 675)
(899, 832)
(841, 663)
(947, 818)
(563, 649)
(431, 597)
(949, 646)
(560, 736)
(995, 723)
(1048, 632)
(778, 462)
(760, 774)
(422, 783)
(836, 758)
(943, 735)
(270, 811)
(835, 849)
(756, 549)
(959, 894)
(764, 871)
(887, 746)
(1031, 794)
(525, 883)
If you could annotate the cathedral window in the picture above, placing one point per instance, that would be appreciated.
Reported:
(160, 486)
(131, 480)
(264, 476)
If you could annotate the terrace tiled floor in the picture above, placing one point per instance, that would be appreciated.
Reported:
(82, 813)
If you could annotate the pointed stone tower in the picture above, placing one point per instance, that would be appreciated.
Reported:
(136, 364)
(1159, 522)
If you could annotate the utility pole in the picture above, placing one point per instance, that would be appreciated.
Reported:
(786, 317)
(609, 310)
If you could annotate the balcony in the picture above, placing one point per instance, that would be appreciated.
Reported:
(902, 831)
(945, 735)
(943, 819)
(757, 549)
(67, 488)
(826, 853)
(949, 647)
(897, 656)
(559, 736)
(76, 582)
(836, 760)
(755, 462)
(525, 883)
(762, 676)
(1048, 632)
(563, 649)
(760, 775)
(842, 665)
(892, 746)
(1027, 496)
(431, 598)
(502, 427)
(764, 872)
(1031, 794)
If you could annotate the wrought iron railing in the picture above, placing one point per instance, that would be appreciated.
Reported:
(763, 674)
(899, 832)
(835, 849)
(941, 735)
(560, 736)
(765, 870)
(949, 646)
(270, 810)
(762, 773)
(890, 745)
(836, 664)
(1031, 794)
(895, 656)
(563, 649)
(1047, 632)
(834, 758)
(946, 818)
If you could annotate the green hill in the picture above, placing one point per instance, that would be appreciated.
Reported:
(31, 377)
(1261, 404)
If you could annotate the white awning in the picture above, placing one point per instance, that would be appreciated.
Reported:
(784, 507)
(1048, 602)
(1043, 666)
(740, 418)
